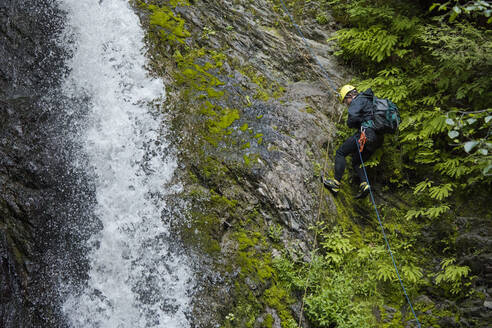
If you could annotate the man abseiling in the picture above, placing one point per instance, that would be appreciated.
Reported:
(360, 117)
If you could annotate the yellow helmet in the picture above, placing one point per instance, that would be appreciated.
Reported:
(344, 90)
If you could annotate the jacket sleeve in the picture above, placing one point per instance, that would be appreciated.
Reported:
(358, 108)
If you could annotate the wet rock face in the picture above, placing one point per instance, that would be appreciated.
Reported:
(31, 65)
(292, 111)
(28, 54)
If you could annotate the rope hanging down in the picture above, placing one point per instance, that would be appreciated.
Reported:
(309, 48)
(385, 238)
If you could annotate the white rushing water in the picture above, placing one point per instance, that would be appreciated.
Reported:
(135, 277)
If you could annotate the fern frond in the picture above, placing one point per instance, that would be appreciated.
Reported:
(422, 186)
(386, 272)
(411, 273)
(441, 192)
(435, 212)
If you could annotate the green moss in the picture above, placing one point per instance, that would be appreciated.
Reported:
(268, 322)
(169, 26)
(219, 123)
(253, 263)
(280, 299)
(265, 89)
(247, 308)
(246, 146)
(247, 160)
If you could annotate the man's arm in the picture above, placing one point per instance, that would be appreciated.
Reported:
(355, 111)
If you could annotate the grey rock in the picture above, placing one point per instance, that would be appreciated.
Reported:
(39, 194)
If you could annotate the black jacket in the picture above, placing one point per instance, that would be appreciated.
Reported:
(360, 109)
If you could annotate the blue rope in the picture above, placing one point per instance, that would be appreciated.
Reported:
(310, 50)
(384, 235)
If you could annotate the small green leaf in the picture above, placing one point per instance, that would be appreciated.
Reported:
(457, 10)
(434, 5)
(453, 134)
(488, 118)
(453, 17)
(469, 145)
(483, 151)
(487, 170)
(450, 121)
(471, 121)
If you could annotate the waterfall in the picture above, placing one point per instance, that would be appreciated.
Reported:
(136, 278)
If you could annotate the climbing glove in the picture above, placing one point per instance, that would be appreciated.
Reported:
(364, 190)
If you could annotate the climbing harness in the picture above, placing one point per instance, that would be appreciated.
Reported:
(386, 239)
(362, 139)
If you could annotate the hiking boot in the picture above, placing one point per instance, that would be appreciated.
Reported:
(364, 190)
(332, 185)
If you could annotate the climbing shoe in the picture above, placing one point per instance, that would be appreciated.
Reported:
(332, 185)
(364, 190)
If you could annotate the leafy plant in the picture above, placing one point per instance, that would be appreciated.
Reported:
(275, 232)
(472, 132)
(454, 8)
(336, 245)
(453, 275)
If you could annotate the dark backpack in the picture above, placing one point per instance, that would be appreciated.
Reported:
(386, 117)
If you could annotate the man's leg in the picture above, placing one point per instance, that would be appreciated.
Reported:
(349, 147)
(343, 151)
(369, 148)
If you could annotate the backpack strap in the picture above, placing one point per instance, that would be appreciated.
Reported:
(368, 124)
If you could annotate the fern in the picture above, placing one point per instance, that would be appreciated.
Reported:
(336, 246)
(436, 211)
(374, 42)
(386, 272)
(452, 274)
(411, 273)
(454, 167)
(422, 186)
(412, 214)
(441, 192)
(431, 212)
